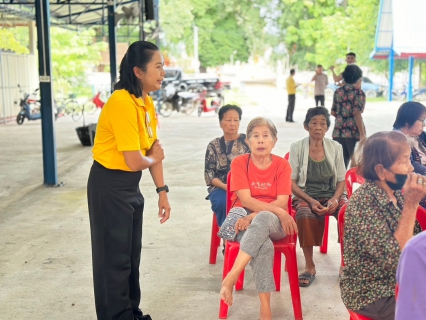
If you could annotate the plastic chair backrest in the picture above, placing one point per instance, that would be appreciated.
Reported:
(352, 177)
(341, 222)
(229, 195)
(421, 217)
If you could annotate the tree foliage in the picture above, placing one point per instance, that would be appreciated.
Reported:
(73, 55)
(319, 32)
(225, 28)
(9, 41)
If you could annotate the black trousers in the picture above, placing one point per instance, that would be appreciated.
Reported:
(348, 145)
(290, 107)
(383, 309)
(115, 211)
(319, 99)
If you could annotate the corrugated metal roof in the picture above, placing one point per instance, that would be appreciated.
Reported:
(399, 26)
(65, 12)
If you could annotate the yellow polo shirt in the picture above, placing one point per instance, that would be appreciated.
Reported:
(122, 126)
(291, 85)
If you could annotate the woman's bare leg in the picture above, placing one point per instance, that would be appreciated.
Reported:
(231, 278)
(265, 306)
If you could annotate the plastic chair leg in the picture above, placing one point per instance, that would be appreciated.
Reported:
(223, 310)
(277, 270)
(324, 247)
(214, 241)
(240, 282)
(293, 279)
(230, 256)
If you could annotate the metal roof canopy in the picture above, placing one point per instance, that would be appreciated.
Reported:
(398, 36)
(64, 13)
(70, 14)
(402, 31)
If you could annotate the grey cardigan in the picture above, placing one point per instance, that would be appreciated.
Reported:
(299, 156)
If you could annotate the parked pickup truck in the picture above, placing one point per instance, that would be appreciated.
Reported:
(185, 82)
(370, 89)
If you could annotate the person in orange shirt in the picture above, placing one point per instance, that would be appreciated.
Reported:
(126, 143)
(261, 185)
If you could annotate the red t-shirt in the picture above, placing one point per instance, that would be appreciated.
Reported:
(265, 185)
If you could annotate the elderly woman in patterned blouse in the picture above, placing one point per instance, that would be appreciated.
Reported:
(220, 152)
(379, 222)
(348, 106)
(318, 183)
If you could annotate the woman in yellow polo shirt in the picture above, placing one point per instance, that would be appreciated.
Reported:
(125, 144)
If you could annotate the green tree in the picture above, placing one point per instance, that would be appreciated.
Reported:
(318, 32)
(73, 55)
(226, 28)
(176, 20)
(10, 42)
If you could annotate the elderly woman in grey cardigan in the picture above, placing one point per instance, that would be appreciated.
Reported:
(318, 183)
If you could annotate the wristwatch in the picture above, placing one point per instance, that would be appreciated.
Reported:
(165, 188)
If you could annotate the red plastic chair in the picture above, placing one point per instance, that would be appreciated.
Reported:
(324, 247)
(421, 217)
(352, 177)
(341, 222)
(286, 246)
(356, 316)
(215, 241)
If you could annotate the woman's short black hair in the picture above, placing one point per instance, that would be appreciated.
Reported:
(228, 107)
(317, 111)
(352, 74)
(381, 148)
(139, 54)
(408, 114)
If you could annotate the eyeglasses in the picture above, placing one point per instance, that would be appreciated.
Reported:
(148, 124)
(423, 121)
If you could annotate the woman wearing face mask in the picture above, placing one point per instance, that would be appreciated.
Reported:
(379, 221)
(125, 144)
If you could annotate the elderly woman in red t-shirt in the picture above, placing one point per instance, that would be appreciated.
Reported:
(261, 184)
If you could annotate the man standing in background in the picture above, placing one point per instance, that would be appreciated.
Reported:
(291, 90)
(321, 82)
(350, 59)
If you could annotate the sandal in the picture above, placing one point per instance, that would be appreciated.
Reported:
(306, 276)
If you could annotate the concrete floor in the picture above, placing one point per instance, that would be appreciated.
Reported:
(45, 256)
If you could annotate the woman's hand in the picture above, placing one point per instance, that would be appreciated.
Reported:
(156, 152)
(163, 207)
(242, 224)
(332, 205)
(414, 189)
(288, 224)
(317, 207)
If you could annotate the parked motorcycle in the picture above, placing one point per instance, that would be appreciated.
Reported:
(30, 108)
(175, 99)
(209, 101)
(26, 110)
